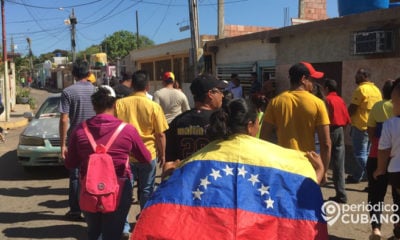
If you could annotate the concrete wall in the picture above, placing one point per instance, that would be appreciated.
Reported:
(246, 51)
(331, 41)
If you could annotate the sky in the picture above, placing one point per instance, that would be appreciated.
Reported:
(160, 20)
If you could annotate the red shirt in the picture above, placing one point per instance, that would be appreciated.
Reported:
(337, 110)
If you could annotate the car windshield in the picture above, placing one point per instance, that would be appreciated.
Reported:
(50, 108)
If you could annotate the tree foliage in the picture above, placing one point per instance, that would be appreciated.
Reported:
(120, 43)
(85, 54)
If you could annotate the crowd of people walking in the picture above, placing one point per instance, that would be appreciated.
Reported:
(282, 145)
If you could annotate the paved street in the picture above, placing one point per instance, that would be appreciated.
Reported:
(33, 204)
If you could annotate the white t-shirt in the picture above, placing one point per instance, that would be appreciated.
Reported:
(172, 101)
(390, 138)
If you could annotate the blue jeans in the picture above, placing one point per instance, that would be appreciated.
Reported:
(361, 147)
(337, 161)
(146, 175)
(73, 192)
(110, 225)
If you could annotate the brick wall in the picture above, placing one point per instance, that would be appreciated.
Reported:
(312, 9)
(237, 30)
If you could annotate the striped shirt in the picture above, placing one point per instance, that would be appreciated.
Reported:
(75, 100)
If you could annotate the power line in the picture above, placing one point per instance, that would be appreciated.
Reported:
(58, 7)
(162, 20)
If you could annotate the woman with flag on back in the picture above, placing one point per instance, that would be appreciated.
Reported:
(238, 187)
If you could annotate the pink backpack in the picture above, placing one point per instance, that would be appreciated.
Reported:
(100, 188)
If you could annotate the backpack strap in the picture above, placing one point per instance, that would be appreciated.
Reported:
(112, 139)
(114, 136)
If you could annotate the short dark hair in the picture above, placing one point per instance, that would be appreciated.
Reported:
(80, 69)
(297, 71)
(126, 76)
(387, 89)
(140, 80)
(331, 85)
(364, 72)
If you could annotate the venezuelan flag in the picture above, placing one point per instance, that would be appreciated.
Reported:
(240, 188)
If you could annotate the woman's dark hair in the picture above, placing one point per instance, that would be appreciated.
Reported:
(102, 100)
(231, 119)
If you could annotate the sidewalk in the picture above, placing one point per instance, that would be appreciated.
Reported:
(16, 117)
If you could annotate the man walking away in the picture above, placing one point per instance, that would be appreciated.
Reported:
(172, 101)
(364, 97)
(148, 118)
(339, 118)
(75, 107)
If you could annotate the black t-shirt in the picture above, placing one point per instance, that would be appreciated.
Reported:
(122, 91)
(187, 134)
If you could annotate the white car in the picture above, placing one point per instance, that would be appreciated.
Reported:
(39, 143)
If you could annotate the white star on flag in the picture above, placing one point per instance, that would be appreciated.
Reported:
(197, 194)
(242, 171)
(254, 179)
(228, 170)
(215, 174)
(270, 203)
(204, 182)
(264, 189)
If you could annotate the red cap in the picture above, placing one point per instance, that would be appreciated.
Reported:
(169, 75)
(313, 72)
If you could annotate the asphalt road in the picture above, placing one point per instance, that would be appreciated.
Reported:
(33, 204)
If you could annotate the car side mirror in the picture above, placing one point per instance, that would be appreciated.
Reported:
(28, 115)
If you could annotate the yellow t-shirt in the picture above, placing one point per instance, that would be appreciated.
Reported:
(296, 115)
(145, 115)
(364, 96)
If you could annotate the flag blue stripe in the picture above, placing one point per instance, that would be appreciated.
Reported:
(261, 190)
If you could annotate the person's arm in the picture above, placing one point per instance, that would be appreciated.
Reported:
(352, 109)
(139, 150)
(63, 127)
(267, 132)
(383, 158)
(325, 144)
(317, 164)
(185, 103)
(160, 145)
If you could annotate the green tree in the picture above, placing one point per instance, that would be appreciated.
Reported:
(120, 43)
(85, 54)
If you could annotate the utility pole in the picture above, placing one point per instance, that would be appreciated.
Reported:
(73, 22)
(221, 23)
(6, 84)
(194, 33)
(30, 57)
(137, 31)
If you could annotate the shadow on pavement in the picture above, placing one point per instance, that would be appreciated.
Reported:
(52, 232)
(11, 170)
(33, 191)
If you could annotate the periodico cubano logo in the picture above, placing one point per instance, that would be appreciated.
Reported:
(359, 213)
(330, 212)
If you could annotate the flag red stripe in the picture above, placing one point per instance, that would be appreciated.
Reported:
(175, 221)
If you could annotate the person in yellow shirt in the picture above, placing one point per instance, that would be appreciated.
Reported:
(296, 115)
(149, 119)
(364, 97)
